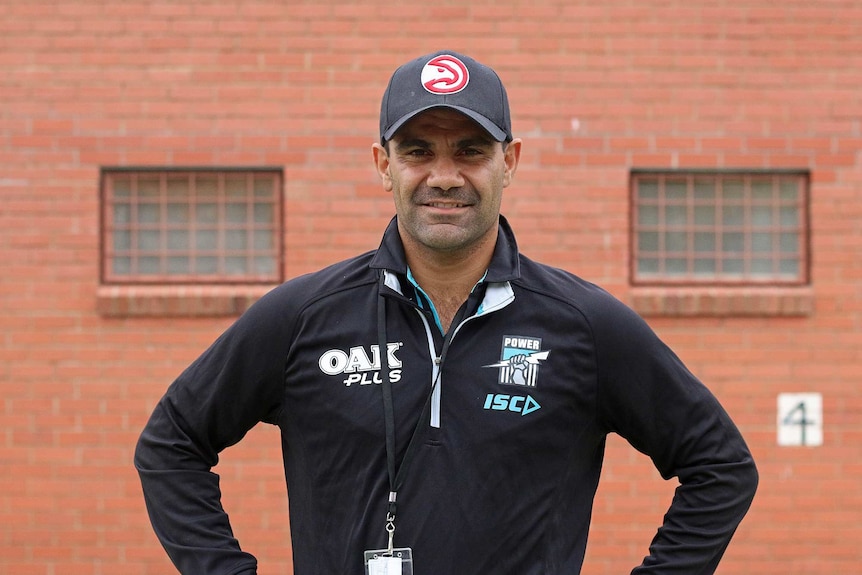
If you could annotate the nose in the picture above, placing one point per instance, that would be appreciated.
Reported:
(444, 174)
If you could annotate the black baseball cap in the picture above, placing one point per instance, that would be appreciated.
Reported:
(446, 79)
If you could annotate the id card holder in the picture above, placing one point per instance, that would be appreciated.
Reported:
(380, 562)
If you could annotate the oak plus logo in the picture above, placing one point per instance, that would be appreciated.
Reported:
(519, 360)
(360, 366)
(445, 74)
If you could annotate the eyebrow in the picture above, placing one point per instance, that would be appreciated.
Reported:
(411, 143)
(477, 141)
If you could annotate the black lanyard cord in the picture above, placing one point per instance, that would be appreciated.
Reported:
(396, 476)
(386, 387)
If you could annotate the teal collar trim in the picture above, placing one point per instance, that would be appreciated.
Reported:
(425, 302)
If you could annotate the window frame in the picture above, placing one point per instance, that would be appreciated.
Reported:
(802, 202)
(106, 228)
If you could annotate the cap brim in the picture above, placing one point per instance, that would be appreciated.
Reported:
(486, 124)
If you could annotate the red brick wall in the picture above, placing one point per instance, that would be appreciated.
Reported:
(597, 88)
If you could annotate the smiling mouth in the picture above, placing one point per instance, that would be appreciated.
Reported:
(445, 205)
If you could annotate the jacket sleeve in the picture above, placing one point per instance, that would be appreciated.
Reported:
(649, 397)
(232, 386)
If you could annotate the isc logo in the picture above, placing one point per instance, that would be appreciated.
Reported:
(516, 403)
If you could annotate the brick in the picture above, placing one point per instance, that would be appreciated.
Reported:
(596, 89)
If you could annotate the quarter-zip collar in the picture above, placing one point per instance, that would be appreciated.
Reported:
(392, 265)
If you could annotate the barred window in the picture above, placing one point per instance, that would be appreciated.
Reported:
(705, 227)
(191, 226)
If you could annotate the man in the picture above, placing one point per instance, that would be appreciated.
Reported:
(443, 400)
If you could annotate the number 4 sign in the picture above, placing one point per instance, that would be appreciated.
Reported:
(800, 419)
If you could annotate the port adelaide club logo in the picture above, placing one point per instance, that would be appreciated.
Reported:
(519, 360)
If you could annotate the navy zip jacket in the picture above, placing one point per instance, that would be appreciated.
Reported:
(540, 367)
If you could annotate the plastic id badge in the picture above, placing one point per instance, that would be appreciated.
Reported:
(379, 562)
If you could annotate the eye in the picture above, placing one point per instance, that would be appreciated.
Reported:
(417, 152)
(472, 152)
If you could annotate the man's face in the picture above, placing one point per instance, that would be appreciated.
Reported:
(446, 175)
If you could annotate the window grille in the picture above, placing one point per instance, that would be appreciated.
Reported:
(719, 227)
(191, 226)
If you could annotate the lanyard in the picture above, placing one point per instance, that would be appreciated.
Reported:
(396, 476)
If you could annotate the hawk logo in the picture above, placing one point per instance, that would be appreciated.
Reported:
(519, 360)
(445, 75)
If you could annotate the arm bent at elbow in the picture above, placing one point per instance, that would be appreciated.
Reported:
(183, 500)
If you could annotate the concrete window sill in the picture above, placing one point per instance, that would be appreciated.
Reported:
(748, 301)
(177, 300)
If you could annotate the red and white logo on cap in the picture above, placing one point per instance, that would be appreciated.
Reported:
(445, 74)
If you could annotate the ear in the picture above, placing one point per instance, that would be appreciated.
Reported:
(511, 157)
(381, 162)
